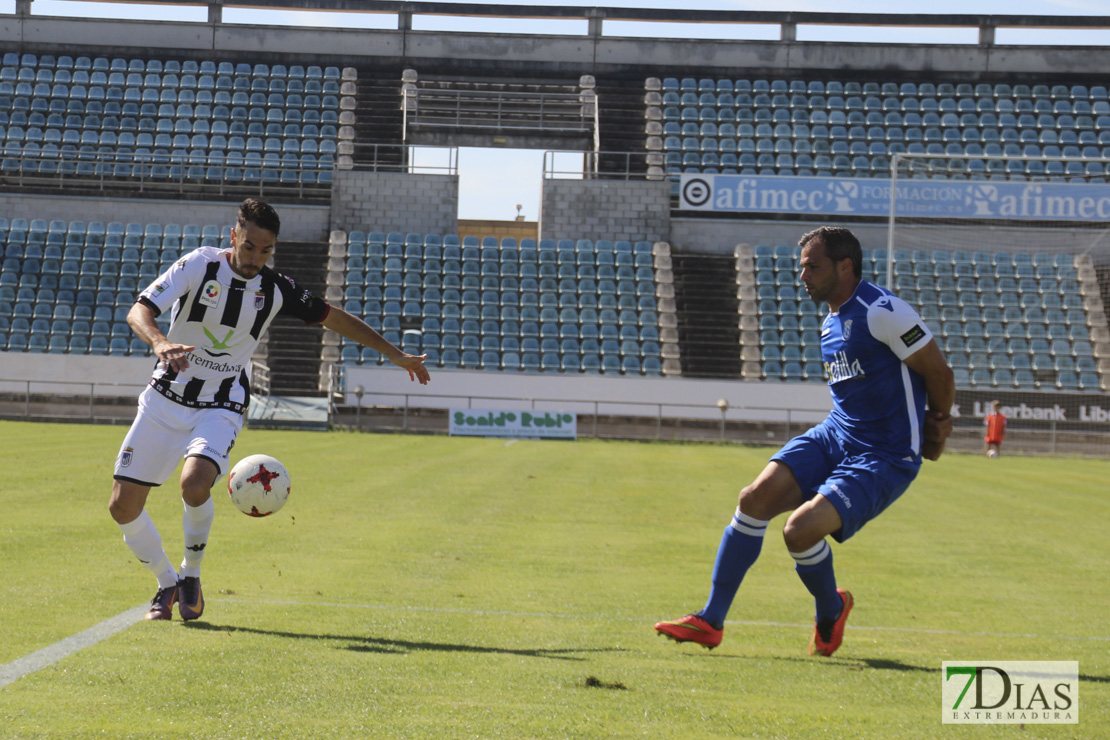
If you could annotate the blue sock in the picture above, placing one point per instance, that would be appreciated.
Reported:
(740, 546)
(815, 568)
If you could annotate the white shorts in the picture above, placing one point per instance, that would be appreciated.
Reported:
(163, 432)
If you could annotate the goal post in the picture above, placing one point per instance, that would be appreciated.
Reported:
(1007, 259)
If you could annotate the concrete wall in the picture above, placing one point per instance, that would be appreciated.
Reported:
(672, 398)
(523, 54)
(605, 209)
(298, 222)
(74, 374)
(392, 201)
(681, 398)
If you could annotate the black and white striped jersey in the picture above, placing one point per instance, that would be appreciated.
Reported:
(223, 316)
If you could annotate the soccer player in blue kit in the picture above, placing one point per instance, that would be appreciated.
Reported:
(884, 369)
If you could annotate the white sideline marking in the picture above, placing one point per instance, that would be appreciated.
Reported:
(745, 623)
(63, 648)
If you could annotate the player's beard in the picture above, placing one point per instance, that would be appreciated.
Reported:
(820, 292)
(241, 269)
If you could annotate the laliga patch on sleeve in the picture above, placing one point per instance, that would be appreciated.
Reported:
(914, 335)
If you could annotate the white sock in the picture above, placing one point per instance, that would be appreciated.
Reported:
(142, 537)
(813, 555)
(197, 523)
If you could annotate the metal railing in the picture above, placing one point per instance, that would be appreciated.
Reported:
(412, 159)
(425, 413)
(105, 173)
(657, 414)
(260, 379)
(501, 110)
(158, 174)
(67, 399)
(561, 164)
(663, 421)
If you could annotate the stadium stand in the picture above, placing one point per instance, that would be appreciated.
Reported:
(852, 128)
(554, 306)
(1007, 319)
(67, 286)
(996, 331)
(187, 121)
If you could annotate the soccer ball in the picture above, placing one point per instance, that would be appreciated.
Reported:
(258, 485)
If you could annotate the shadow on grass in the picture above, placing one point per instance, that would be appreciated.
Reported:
(877, 664)
(363, 644)
(885, 664)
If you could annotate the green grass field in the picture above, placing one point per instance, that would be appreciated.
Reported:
(433, 587)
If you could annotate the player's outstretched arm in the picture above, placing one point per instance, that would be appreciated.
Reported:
(142, 321)
(356, 329)
(940, 393)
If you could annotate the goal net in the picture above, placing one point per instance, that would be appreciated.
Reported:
(1008, 259)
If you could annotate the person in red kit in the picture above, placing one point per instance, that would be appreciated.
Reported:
(996, 430)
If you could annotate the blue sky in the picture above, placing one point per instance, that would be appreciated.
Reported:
(494, 182)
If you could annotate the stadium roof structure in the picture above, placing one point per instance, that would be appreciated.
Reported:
(592, 52)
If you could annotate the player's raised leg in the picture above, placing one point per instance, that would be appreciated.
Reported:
(141, 536)
(773, 492)
(197, 477)
(805, 535)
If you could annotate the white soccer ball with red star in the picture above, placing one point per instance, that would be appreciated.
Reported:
(258, 485)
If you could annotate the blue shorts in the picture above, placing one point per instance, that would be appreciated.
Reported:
(859, 483)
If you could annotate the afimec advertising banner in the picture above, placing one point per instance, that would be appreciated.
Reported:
(913, 199)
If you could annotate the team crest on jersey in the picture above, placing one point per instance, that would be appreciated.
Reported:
(125, 456)
(847, 331)
(259, 301)
(210, 294)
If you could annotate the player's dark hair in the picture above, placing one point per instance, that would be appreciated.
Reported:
(840, 243)
(259, 213)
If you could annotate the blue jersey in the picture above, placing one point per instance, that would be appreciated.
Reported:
(878, 402)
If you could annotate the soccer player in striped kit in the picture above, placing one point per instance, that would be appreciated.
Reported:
(883, 365)
(222, 301)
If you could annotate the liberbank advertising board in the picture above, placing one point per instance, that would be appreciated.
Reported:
(1074, 412)
(914, 198)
